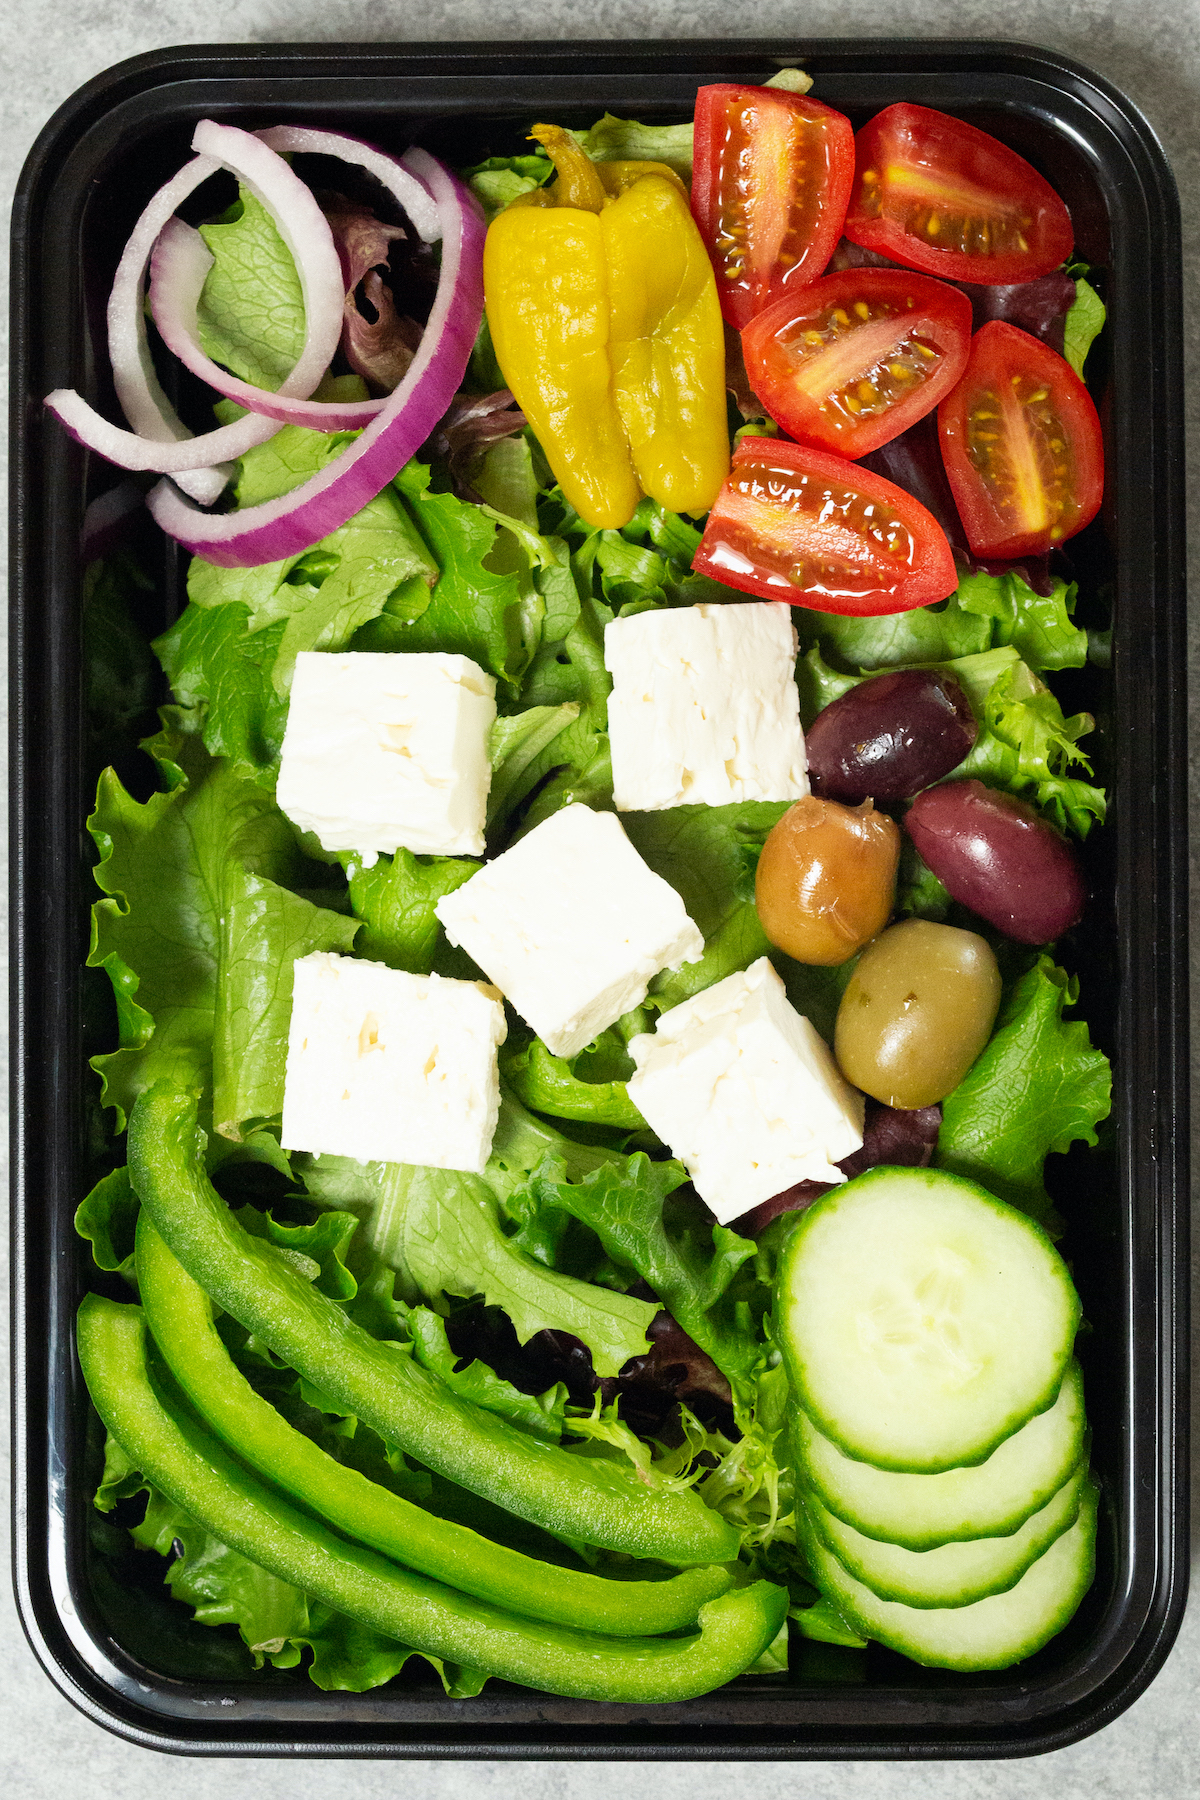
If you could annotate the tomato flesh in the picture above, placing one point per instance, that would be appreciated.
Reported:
(773, 172)
(794, 523)
(1022, 446)
(940, 195)
(855, 358)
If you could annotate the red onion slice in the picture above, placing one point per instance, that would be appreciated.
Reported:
(159, 440)
(178, 269)
(181, 261)
(146, 408)
(405, 184)
(294, 522)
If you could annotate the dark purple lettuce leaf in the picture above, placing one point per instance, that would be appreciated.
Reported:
(737, 381)
(471, 425)
(1039, 307)
(857, 256)
(674, 1368)
(380, 348)
(378, 342)
(649, 1387)
(900, 1139)
(363, 241)
(913, 461)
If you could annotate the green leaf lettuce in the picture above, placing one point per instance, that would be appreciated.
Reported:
(1083, 324)
(984, 612)
(1039, 1086)
(264, 930)
(251, 312)
(163, 865)
(276, 1622)
(688, 1264)
(446, 1229)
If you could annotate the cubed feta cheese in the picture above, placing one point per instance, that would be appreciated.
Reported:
(390, 1067)
(571, 926)
(385, 751)
(745, 1092)
(704, 706)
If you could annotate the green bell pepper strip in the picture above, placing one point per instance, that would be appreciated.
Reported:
(140, 1404)
(179, 1315)
(593, 1500)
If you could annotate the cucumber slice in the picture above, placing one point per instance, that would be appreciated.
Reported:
(992, 1499)
(990, 1634)
(954, 1574)
(923, 1320)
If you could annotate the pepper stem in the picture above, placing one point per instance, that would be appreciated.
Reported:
(578, 183)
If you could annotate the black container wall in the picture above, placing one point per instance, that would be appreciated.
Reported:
(89, 174)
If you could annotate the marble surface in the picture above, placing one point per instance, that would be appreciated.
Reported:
(1149, 48)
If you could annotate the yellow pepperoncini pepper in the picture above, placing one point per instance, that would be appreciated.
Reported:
(606, 324)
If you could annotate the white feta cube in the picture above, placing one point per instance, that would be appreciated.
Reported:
(745, 1092)
(388, 751)
(704, 706)
(391, 1067)
(571, 925)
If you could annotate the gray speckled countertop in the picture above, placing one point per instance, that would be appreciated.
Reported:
(1151, 49)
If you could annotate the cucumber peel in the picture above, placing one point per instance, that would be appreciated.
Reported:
(953, 1574)
(991, 1499)
(922, 1320)
(989, 1634)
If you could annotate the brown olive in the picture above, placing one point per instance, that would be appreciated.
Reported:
(827, 879)
(918, 1009)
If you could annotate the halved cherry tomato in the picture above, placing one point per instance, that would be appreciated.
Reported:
(792, 523)
(942, 196)
(856, 358)
(773, 172)
(1022, 445)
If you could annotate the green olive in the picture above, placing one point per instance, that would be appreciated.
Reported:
(918, 1009)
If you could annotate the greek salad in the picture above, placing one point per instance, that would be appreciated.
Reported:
(590, 931)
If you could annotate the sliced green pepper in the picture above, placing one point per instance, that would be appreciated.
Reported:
(180, 1318)
(594, 1500)
(150, 1419)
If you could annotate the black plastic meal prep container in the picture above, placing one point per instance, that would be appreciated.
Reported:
(88, 176)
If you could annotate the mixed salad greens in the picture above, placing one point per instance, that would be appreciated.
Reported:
(557, 1391)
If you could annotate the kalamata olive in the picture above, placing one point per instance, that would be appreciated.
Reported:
(890, 736)
(998, 856)
(917, 1011)
(827, 879)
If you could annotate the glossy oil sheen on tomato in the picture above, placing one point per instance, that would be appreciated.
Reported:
(855, 358)
(772, 179)
(1022, 446)
(795, 523)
